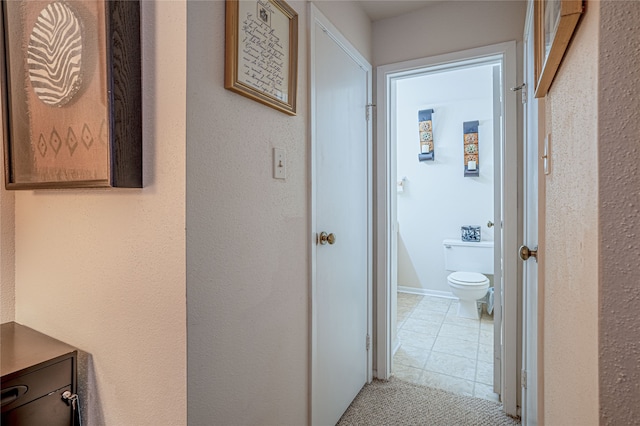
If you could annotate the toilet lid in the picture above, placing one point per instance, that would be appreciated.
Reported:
(468, 278)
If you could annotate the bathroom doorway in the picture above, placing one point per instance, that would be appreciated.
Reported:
(433, 345)
(429, 195)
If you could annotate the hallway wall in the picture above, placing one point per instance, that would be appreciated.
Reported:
(592, 217)
(572, 244)
(7, 252)
(104, 270)
(619, 212)
(247, 253)
(248, 237)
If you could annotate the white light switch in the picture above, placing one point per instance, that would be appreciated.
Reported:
(279, 163)
(546, 155)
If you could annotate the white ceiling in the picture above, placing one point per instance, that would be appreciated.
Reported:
(381, 9)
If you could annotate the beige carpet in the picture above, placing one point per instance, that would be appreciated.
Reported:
(395, 402)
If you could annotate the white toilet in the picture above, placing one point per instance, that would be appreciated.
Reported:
(469, 260)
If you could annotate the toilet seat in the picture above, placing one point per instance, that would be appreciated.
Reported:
(468, 287)
(470, 279)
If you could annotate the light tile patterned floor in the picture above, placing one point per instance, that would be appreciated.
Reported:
(441, 350)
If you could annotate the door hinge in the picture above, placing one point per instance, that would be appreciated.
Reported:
(523, 89)
(368, 342)
(523, 379)
(368, 109)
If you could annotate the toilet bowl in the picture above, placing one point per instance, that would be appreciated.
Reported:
(469, 261)
(468, 287)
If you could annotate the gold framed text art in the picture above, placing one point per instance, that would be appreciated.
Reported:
(554, 24)
(261, 54)
(71, 93)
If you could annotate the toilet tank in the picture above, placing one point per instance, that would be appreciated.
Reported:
(468, 256)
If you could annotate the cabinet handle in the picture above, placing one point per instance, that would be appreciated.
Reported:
(11, 394)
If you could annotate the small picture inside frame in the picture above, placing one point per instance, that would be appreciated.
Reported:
(71, 93)
(261, 55)
(264, 13)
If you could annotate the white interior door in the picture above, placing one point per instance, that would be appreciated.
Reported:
(530, 271)
(341, 207)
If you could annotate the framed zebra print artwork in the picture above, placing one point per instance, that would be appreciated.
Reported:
(71, 93)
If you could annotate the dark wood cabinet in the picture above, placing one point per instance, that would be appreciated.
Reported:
(35, 371)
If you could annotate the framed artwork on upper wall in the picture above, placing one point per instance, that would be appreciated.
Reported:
(71, 93)
(261, 52)
(554, 24)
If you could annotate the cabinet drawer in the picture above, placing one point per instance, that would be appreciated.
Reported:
(39, 383)
(50, 410)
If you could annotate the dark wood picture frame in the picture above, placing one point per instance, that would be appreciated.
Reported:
(261, 52)
(554, 23)
(83, 130)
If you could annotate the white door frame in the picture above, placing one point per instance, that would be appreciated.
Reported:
(385, 184)
(317, 18)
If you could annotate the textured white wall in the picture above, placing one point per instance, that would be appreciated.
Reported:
(248, 241)
(104, 270)
(446, 27)
(7, 252)
(572, 239)
(7, 248)
(619, 211)
(438, 199)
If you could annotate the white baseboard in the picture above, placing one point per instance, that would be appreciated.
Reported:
(426, 292)
(396, 345)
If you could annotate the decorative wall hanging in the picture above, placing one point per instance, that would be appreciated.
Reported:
(261, 54)
(471, 157)
(554, 24)
(71, 85)
(425, 128)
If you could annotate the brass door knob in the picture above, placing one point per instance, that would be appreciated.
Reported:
(489, 224)
(325, 238)
(525, 253)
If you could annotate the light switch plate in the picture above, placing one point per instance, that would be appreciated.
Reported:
(546, 155)
(279, 163)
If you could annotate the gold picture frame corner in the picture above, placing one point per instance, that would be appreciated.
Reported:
(547, 60)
